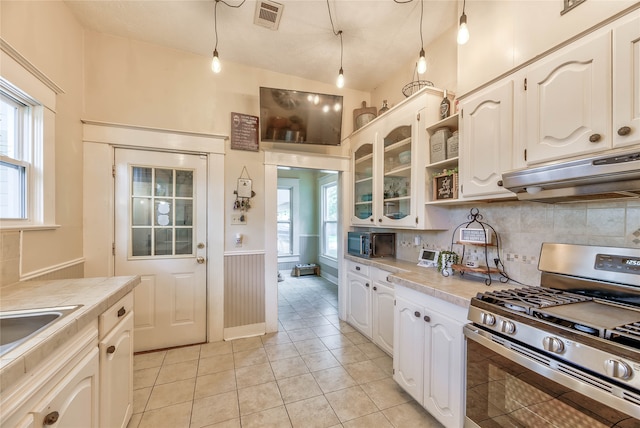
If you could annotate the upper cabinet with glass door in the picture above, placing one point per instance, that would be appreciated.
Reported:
(363, 178)
(389, 160)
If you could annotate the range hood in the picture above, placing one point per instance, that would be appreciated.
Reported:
(603, 177)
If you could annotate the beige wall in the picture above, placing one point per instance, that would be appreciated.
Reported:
(441, 57)
(505, 34)
(48, 36)
(137, 83)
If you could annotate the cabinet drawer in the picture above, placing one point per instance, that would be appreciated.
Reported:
(380, 275)
(358, 268)
(114, 314)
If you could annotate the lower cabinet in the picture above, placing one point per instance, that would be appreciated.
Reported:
(370, 303)
(428, 353)
(116, 364)
(62, 392)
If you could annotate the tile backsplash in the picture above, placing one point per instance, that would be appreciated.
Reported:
(9, 257)
(523, 227)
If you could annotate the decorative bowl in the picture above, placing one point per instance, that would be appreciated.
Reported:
(405, 157)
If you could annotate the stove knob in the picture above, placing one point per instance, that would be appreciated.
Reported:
(553, 344)
(617, 368)
(487, 319)
(508, 327)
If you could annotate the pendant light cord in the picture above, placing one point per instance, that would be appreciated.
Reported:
(215, 16)
(335, 33)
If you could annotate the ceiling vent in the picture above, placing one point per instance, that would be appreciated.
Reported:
(268, 14)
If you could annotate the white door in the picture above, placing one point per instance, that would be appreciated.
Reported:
(359, 307)
(160, 228)
(382, 302)
(408, 347)
(626, 83)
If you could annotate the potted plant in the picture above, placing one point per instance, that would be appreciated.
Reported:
(446, 259)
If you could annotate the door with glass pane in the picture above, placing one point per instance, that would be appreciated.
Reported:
(161, 236)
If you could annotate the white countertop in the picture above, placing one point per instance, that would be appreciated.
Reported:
(453, 289)
(95, 295)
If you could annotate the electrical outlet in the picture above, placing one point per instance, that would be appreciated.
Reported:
(238, 219)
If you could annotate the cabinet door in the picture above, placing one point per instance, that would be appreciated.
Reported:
(359, 303)
(74, 400)
(444, 368)
(402, 158)
(568, 101)
(383, 297)
(487, 138)
(408, 348)
(626, 83)
(116, 375)
(363, 178)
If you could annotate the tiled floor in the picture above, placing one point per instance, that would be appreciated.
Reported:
(317, 371)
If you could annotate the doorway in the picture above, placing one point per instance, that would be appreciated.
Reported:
(316, 163)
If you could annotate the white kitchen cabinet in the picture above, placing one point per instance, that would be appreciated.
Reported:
(382, 307)
(63, 391)
(388, 164)
(370, 303)
(626, 82)
(359, 302)
(568, 101)
(74, 401)
(487, 122)
(429, 356)
(116, 364)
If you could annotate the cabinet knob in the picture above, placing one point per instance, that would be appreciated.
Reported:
(375, 288)
(367, 285)
(51, 418)
(357, 267)
(427, 318)
(417, 314)
(121, 311)
(380, 220)
(111, 349)
(625, 130)
(594, 138)
(500, 183)
(371, 220)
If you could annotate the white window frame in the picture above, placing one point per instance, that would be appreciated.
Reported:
(329, 179)
(18, 76)
(294, 185)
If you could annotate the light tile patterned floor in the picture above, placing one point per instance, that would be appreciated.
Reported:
(317, 371)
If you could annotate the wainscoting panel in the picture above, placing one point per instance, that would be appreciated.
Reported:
(243, 289)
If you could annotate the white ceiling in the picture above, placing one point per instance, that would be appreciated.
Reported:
(379, 36)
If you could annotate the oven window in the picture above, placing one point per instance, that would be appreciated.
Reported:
(502, 393)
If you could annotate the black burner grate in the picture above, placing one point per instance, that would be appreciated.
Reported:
(527, 298)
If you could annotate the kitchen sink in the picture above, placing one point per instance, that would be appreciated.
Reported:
(18, 326)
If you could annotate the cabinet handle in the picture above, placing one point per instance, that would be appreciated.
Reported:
(625, 130)
(500, 183)
(111, 349)
(367, 284)
(417, 314)
(388, 280)
(375, 288)
(51, 418)
(121, 311)
(427, 318)
(594, 138)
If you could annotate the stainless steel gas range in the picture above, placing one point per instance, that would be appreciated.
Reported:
(566, 353)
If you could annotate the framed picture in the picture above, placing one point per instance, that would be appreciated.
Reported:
(445, 186)
(244, 188)
(244, 132)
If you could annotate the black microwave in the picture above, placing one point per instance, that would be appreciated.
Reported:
(371, 244)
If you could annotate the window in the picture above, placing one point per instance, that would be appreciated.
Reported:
(285, 224)
(330, 220)
(15, 154)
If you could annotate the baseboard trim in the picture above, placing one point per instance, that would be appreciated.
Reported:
(242, 331)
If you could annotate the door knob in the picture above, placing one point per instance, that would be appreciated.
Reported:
(200, 260)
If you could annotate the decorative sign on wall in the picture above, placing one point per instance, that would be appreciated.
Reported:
(244, 132)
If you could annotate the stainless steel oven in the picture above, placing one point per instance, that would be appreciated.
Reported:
(565, 354)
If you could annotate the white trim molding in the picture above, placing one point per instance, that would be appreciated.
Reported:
(51, 269)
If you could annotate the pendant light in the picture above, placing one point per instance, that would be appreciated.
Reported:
(216, 67)
(422, 61)
(340, 79)
(463, 31)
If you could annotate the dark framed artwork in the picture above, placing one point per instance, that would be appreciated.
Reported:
(244, 132)
(445, 186)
